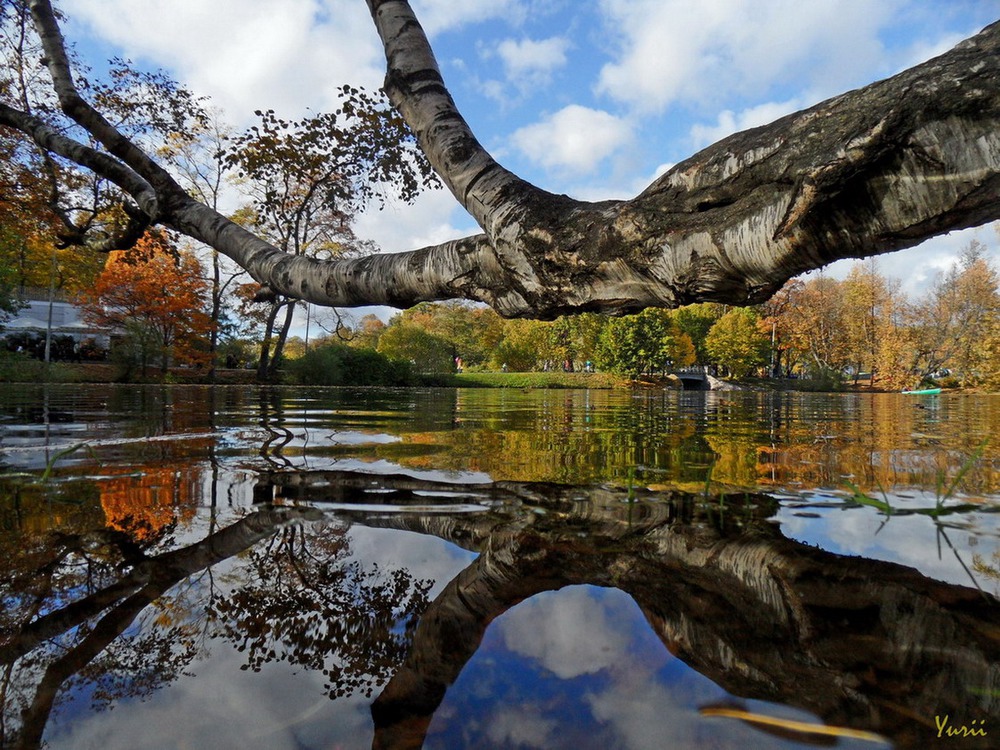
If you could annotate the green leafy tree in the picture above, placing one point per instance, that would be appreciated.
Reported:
(574, 338)
(737, 343)
(472, 331)
(10, 303)
(647, 342)
(696, 321)
(338, 364)
(427, 352)
(522, 346)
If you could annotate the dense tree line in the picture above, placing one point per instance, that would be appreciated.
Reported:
(817, 327)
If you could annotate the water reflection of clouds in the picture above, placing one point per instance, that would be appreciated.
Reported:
(381, 466)
(647, 697)
(912, 540)
(573, 633)
(425, 557)
(522, 726)
(226, 707)
(581, 667)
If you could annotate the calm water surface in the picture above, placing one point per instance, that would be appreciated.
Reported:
(191, 567)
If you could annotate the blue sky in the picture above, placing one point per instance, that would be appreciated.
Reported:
(588, 97)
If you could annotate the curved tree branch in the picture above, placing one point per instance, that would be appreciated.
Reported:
(875, 170)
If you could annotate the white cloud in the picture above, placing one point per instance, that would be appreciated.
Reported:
(444, 15)
(617, 189)
(575, 138)
(242, 53)
(434, 217)
(917, 268)
(674, 50)
(528, 62)
(729, 122)
(570, 633)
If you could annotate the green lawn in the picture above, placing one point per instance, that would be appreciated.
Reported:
(535, 380)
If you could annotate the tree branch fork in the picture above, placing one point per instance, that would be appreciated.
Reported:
(874, 170)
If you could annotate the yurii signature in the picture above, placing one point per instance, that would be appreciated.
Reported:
(975, 728)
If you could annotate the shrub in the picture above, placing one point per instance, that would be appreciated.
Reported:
(338, 364)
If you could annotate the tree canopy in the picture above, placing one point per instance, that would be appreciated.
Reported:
(877, 169)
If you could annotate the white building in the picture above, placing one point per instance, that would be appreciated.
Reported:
(60, 316)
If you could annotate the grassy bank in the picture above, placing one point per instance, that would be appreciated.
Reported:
(533, 380)
(22, 369)
(16, 368)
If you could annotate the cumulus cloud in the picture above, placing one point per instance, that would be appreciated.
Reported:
(917, 268)
(432, 218)
(242, 53)
(730, 122)
(530, 62)
(574, 139)
(669, 51)
(444, 15)
(616, 189)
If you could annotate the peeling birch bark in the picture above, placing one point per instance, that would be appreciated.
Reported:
(874, 170)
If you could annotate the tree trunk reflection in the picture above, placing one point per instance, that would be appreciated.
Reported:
(860, 643)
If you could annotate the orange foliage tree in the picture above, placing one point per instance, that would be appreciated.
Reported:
(157, 298)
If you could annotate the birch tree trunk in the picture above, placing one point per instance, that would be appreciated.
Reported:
(875, 170)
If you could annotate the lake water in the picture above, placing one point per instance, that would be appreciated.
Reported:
(193, 567)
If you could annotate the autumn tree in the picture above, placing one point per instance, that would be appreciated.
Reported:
(866, 296)
(306, 179)
(878, 169)
(777, 316)
(737, 343)
(816, 326)
(157, 298)
(955, 323)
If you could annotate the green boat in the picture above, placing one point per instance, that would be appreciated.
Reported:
(924, 392)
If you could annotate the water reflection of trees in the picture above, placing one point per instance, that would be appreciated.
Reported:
(860, 643)
(743, 439)
(95, 613)
(301, 600)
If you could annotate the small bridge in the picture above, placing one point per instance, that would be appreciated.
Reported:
(694, 378)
